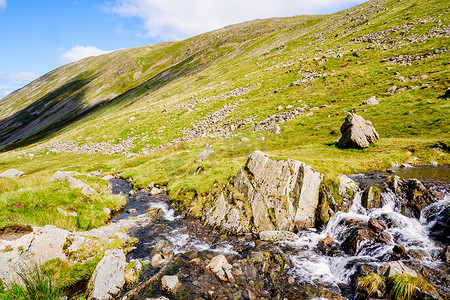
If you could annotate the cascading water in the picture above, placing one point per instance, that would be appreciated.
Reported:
(311, 266)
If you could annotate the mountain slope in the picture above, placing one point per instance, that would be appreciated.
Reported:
(301, 74)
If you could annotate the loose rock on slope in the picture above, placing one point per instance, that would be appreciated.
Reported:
(12, 173)
(357, 133)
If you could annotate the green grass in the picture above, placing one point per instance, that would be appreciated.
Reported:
(37, 285)
(49, 281)
(38, 206)
(405, 286)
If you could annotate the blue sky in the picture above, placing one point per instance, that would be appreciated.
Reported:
(39, 36)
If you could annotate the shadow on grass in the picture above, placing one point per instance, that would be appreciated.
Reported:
(66, 104)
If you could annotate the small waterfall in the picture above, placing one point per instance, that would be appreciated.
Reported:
(413, 234)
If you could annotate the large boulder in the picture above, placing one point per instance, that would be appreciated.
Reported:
(268, 195)
(12, 173)
(357, 133)
(109, 276)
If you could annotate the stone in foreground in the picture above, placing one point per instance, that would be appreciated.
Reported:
(267, 195)
(357, 133)
(12, 173)
(109, 276)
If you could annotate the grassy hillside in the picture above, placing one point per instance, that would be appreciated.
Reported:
(148, 112)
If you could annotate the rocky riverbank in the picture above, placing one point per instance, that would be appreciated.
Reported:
(296, 236)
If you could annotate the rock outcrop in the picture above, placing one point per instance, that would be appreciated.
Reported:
(109, 276)
(267, 195)
(12, 173)
(357, 133)
(36, 245)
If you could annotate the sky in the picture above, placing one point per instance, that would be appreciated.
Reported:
(39, 36)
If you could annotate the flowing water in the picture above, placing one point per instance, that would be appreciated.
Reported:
(309, 265)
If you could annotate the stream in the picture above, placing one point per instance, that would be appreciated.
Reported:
(286, 270)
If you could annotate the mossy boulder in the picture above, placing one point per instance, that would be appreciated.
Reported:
(371, 197)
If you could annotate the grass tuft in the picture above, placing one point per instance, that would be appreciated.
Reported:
(370, 285)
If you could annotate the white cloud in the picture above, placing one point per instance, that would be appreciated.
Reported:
(21, 76)
(175, 19)
(79, 52)
(10, 82)
(2, 5)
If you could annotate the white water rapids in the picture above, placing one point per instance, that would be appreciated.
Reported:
(310, 265)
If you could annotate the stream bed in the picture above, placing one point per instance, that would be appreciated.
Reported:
(298, 269)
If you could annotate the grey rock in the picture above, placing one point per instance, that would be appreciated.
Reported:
(244, 139)
(132, 211)
(396, 267)
(371, 101)
(169, 283)
(107, 177)
(108, 278)
(357, 133)
(277, 129)
(12, 173)
(73, 182)
(346, 184)
(392, 89)
(277, 236)
(204, 155)
(216, 264)
(97, 173)
(107, 211)
(156, 191)
(66, 213)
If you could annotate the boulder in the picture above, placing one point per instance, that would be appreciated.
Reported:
(73, 182)
(392, 89)
(418, 197)
(346, 185)
(328, 246)
(377, 225)
(277, 236)
(12, 173)
(267, 195)
(371, 197)
(156, 191)
(394, 268)
(108, 278)
(204, 155)
(357, 133)
(169, 283)
(371, 101)
(161, 253)
(22, 246)
(399, 252)
(216, 264)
